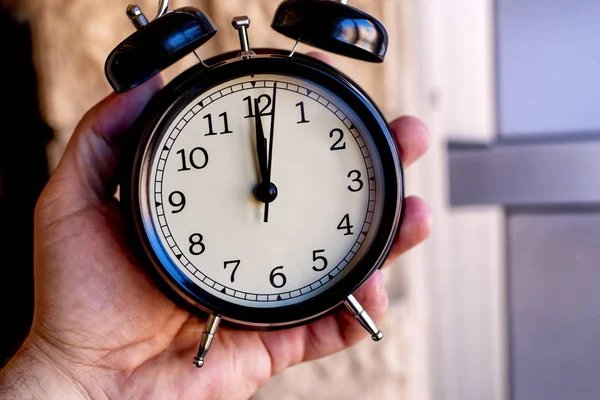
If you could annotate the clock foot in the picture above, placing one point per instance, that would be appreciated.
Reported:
(208, 334)
(365, 320)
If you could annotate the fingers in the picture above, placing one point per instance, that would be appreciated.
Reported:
(320, 56)
(415, 227)
(90, 160)
(412, 137)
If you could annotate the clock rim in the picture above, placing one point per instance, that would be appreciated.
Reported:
(165, 106)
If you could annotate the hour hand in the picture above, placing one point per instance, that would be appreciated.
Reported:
(265, 191)
(261, 146)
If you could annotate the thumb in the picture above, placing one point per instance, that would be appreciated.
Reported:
(89, 164)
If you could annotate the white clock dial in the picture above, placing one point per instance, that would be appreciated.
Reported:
(198, 183)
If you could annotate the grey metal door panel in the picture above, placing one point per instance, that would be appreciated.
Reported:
(554, 310)
(548, 66)
(533, 174)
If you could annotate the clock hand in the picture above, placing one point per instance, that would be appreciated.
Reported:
(269, 169)
(265, 191)
(261, 145)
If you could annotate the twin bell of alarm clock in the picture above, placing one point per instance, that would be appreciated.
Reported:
(329, 25)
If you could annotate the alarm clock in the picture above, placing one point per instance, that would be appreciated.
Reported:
(260, 187)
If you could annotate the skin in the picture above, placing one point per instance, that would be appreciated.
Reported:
(101, 327)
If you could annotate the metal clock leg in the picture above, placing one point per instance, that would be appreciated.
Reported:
(365, 320)
(208, 334)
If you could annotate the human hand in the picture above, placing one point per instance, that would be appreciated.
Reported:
(102, 328)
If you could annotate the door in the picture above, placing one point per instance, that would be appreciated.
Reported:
(544, 170)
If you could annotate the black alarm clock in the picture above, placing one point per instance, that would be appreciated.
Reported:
(260, 187)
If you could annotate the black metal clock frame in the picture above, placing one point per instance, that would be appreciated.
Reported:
(164, 107)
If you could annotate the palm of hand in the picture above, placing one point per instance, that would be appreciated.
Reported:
(104, 312)
(104, 322)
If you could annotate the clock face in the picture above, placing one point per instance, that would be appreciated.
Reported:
(199, 177)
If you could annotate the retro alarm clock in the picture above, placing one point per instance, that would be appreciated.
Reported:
(261, 187)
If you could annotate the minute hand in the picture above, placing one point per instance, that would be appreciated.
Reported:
(270, 165)
(269, 169)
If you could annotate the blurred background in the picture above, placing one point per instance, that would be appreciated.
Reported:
(503, 301)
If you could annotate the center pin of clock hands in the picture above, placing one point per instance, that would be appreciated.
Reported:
(265, 191)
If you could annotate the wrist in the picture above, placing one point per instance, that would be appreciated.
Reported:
(32, 373)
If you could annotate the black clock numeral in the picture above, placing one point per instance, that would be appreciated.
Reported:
(196, 245)
(345, 225)
(211, 131)
(235, 267)
(177, 199)
(193, 160)
(357, 180)
(339, 143)
(303, 119)
(279, 276)
(263, 110)
(321, 258)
